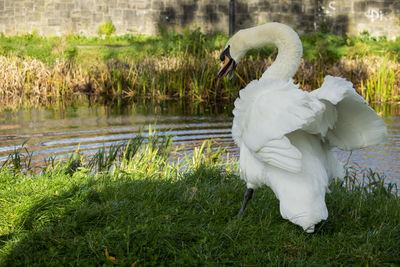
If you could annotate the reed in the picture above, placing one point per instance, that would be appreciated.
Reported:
(384, 82)
(181, 66)
(31, 83)
(19, 159)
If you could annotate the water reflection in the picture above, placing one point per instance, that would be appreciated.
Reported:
(58, 132)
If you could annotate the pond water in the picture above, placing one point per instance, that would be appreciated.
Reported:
(58, 132)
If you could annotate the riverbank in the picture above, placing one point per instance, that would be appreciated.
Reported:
(145, 209)
(37, 71)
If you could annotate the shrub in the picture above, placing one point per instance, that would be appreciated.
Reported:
(106, 29)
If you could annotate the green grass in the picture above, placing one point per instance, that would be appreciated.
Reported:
(154, 210)
(190, 42)
(128, 46)
(31, 45)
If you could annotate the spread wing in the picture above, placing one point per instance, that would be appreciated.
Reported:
(267, 110)
(352, 124)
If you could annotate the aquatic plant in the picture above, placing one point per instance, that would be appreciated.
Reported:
(32, 83)
(382, 85)
(39, 71)
(18, 159)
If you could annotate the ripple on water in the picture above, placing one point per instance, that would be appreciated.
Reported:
(51, 134)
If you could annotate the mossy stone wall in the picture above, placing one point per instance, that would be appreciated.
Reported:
(50, 17)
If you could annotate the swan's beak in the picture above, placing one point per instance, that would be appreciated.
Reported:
(228, 64)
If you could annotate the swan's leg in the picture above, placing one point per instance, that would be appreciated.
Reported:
(247, 196)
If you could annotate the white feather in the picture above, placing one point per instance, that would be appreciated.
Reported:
(286, 135)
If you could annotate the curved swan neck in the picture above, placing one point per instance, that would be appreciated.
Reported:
(285, 38)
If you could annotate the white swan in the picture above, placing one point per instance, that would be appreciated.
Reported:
(286, 135)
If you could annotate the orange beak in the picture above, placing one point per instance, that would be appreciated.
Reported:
(226, 67)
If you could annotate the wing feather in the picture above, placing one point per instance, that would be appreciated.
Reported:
(282, 154)
(356, 125)
(266, 111)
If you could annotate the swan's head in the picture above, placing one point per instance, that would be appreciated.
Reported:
(234, 50)
(282, 36)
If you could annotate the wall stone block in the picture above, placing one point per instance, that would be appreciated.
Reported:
(379, 17)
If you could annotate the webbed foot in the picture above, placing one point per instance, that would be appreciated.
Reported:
(310, 229)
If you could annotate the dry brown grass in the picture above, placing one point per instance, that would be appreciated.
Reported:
(30, 82)
(360, 70)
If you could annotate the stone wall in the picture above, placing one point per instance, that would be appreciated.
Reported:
(54, 17)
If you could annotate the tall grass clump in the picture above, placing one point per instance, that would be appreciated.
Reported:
(19, 159)
(151, 208)
(383, 83)
(30, 82)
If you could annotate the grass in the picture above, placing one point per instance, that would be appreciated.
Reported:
(381, 85)
(48, 71)
(139, 47)
(191, 42)
(154, 209)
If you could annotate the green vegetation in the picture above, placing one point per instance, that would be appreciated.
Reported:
(97, 50)
(381, 84)
(327, 47)
(39, 71)
(332, 47)
(147, 208)
(106, 29)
